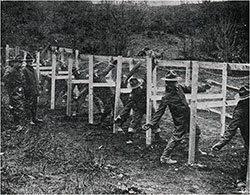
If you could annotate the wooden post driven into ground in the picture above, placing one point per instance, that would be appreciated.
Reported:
(38, 69)
(91, 80)
(77, 58)
(117, 89)
(149, 101)
(248, 171)
(53, 80)
(193, 113)
(155, 85)
(69, 89)
(224, 98)
(188, 74)
(7, 55)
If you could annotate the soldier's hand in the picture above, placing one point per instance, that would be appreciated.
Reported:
(217, 147)
(146, 127)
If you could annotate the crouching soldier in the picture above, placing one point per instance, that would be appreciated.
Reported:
(31, 91)
(137, 102)
(240, 120)
(14, 82)
(175, 99)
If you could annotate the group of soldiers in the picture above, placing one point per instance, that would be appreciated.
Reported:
(22, 86)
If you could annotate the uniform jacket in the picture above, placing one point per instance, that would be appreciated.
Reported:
(31, 86)
(14, 80)
(178, 106)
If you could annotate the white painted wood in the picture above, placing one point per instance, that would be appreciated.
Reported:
(53, 81)
(69, 88)
(149, 103)
(91, 78)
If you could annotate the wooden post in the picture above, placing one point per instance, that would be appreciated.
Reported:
(188, 74)
(155, 85)
(62, 55)
(193, 114)
(117, 89)
(16, 50)
(77, 59)
(248, 171)
(91, 78)
(224, 94)
(7, 55)
(69, 89)
(149, 103)
(38, 65)
(53, 81)
(24, 58)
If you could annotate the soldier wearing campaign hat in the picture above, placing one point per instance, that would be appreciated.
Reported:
(175, 99)
(14, 82)
(31, 90)
(240, 120)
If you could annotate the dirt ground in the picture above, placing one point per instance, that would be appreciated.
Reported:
(69, 156)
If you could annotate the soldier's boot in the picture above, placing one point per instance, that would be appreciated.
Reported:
(198, 152)
(166, 155)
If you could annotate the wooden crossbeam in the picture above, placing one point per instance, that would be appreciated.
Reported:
(228, 86)
(219, 112)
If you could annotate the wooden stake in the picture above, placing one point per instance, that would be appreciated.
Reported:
(188, 74)
(155, 85)
(69, 89)
(7, 55)
(53, 81)
(38, 70)
(117, 89)
(16, 50)
(149, 103)
(77, 59)
(224, 98)
(193, 114)
(91, 78)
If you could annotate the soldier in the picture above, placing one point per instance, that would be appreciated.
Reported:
(31, 91)
(14, 81)
(240, 120)
(136, 101)
(175, 99)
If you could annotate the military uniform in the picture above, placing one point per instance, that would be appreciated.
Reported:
(175, 99)
(31, 92)
(14, 81)
(240, 120)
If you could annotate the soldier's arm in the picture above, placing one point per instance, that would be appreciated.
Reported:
(106, 70)
(132, 71)
(188, 89)
(158, 114)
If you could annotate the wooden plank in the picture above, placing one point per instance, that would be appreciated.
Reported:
(174, 63)
(210, 65)
(80, 81)
(68, 50)
(239, 67)
(188, 74)
(214, 104)
(69, 89)
(224, 94)
(117, 89)
(61, 77)
(188, 96)
(248, 172)
(149, 106)
(228, 86)
(126, 90)
(218, 112)
(193, 114)
(91, 77)
(53, 81)
(154, 87)
(7, 55)
(109, 84)
(77, 58)
(45, 68)
(62, 54)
